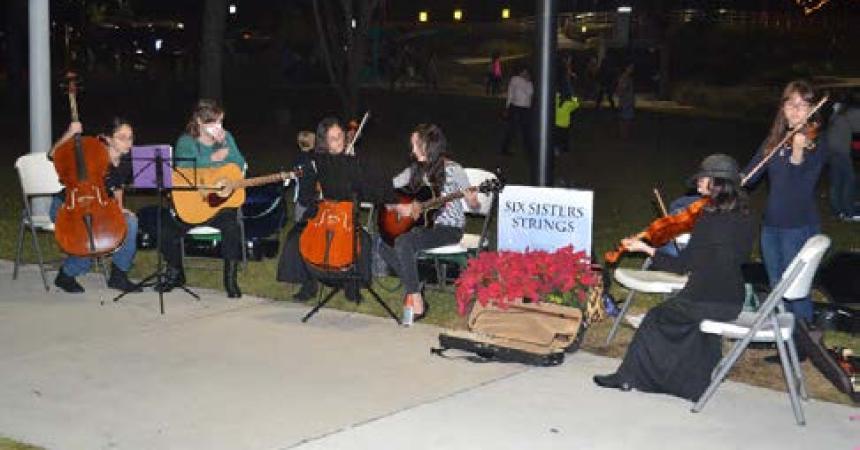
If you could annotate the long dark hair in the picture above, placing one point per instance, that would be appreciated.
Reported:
(726, 195)
(436, 149)
(321, 145)
(780, 123)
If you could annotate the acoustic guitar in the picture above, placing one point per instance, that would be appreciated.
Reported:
(391, 224)
(215, 188)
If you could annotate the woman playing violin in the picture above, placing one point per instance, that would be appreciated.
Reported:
(791, 215)
(668, 353)
(118, 137)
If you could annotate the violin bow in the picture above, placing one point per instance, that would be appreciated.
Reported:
(665, 214)
(785, 139)
(660, 202)
(350, 149)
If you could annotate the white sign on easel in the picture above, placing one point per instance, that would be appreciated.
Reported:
(538, 218)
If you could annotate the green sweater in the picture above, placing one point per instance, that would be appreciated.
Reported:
(563, 108)
(189, 147)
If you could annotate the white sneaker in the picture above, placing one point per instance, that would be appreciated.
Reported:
(634, 320)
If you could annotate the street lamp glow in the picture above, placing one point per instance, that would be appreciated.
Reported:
(422, 16)
(231, 9)
(458, 14)
(625, 9)
(506, 13)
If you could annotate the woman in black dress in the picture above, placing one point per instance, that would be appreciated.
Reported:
(668, 353)
(333, 175)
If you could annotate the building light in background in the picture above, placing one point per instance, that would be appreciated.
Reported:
(506, 13)
(158, 44)
(180, 26)
(625, 9)
(422, 16)
(232, 8)
(584, 29)
(353, 23)
(458, 15)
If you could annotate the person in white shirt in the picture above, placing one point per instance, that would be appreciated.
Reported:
(518, 110)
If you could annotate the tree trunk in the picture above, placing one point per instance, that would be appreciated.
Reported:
(211, 49)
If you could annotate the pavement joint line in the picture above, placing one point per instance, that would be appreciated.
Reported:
(451, 394)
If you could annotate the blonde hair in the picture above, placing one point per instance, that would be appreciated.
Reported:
(306, 140)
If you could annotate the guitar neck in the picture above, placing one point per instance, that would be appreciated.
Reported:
(259, 181)
(439, 201)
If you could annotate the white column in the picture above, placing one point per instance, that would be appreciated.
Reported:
(40, 84)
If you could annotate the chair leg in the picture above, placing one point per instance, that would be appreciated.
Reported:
(787, 370)
(721, 371)
(19, 250)
(38, 249)
(795, 365)
(620, 317)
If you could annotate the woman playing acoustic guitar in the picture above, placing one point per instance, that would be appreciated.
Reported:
(430, 168)
(205, 144)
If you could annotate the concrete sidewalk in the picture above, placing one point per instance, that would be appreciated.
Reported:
(213, 374)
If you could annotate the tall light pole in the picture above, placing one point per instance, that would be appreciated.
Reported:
(39, 19)
(542, 165)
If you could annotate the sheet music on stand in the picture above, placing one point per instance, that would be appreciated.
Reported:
(153, 168)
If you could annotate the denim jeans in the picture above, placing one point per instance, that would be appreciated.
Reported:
(122, 258)
(778, 247)
(842, 184)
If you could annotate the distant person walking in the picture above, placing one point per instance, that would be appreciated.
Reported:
(626, 100)
(494, 75)
(844, 123)
(565, 105)
(518, 110)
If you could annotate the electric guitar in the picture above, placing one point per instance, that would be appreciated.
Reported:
(391, 224)
(216, 188)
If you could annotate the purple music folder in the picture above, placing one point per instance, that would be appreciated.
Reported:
(143, 165)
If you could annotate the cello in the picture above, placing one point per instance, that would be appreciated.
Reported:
(89, 222)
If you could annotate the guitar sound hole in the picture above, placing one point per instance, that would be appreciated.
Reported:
(215, 200)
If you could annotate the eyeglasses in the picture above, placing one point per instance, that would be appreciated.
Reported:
(796, 105)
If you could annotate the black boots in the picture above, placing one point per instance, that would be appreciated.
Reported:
(173, 278)
(231, 269)
(119, 280)
(67, 283)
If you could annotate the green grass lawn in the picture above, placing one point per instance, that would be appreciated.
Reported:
(662, 151)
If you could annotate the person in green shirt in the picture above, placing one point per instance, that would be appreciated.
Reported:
(565, 105)
(205, 144)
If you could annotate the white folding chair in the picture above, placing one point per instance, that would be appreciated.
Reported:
(644, 281)
(772, 324)
(470, 243)
(38, 179)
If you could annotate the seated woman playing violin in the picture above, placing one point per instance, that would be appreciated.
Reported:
(668, 353)
(430, 167)
(118, 137)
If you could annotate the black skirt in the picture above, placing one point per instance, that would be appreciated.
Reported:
(669, 354)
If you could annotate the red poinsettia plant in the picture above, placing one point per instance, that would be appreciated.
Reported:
(564, 277)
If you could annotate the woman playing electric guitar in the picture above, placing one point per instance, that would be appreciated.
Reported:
(430, 168)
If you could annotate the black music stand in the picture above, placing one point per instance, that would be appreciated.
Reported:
(337, 280)
(159, 163)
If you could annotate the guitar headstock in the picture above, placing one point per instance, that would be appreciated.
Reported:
(491, 185)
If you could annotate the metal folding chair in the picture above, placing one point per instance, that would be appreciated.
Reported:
(771, 323)
(38, 179)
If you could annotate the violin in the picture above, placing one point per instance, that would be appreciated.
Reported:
(664, 229)
(89, 222)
